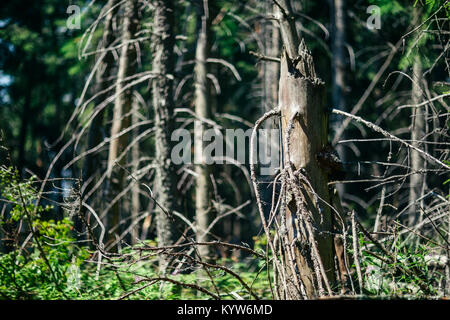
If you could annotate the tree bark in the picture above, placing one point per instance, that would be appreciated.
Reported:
(203, 188)
(338, 69)
(304, 119)
(338, 63)
(163, 42)
(338, 97)
(271, 70)
(270, 37)
(135, 190)
(417, 134)
(301, 100)
(122, 108)
(289, 33)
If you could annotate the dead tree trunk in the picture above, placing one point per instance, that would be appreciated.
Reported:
(203, 189)
(163, 42)
(304, 126)
(122, 110)
(308, 161)
(417, 134)
(135, 190)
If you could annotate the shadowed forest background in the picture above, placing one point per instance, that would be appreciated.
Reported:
(92, 205)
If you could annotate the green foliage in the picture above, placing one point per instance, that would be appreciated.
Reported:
(403, 276)
(28, 272)
(20, 194)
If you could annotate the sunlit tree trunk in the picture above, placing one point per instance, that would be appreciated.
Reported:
(122, 110)
(301, 99)
(304, 119)
(418, 123)
(163, 42)
(417, 134)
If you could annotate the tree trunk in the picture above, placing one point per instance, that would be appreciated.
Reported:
(135, 190)
(271, 71)
(306, 155)
(338, 63)
(288, 29)
(338, 82)
(270, 37)
(203, 188)
(122, 108)
(338, 69)
(301, 100)
(163, 42)
(417, 133)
